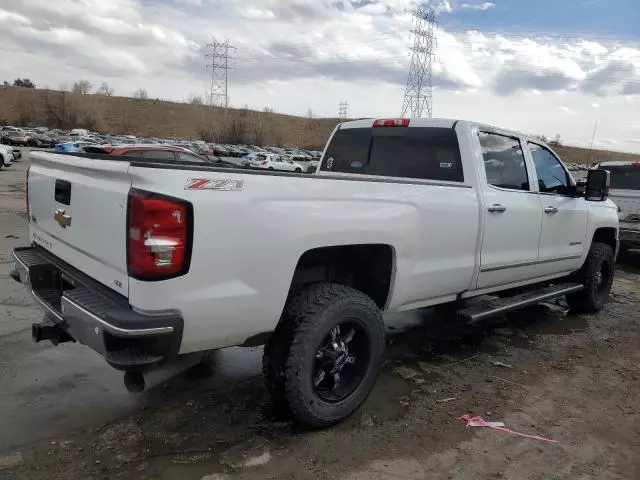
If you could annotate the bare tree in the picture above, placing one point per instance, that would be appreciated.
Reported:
(278, 137)
(310, 114)
(82, 87)
(140, 94)
(556, 140)
(235, 131)
(268, 110)
(258, 132)
(207, 133)
(105, 90)
(196, 100)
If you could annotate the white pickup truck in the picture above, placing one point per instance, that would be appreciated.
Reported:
(150, 262)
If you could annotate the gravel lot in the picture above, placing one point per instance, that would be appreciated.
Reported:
(574, 379)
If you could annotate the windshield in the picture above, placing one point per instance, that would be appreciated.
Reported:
(625, 177)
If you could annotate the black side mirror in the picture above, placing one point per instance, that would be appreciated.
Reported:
(597, 188)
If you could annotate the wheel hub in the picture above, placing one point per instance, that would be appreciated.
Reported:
(332, 374)
(598, 278)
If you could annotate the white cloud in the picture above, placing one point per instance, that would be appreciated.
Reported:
(568, 111)
(293, 54)
(474, 6)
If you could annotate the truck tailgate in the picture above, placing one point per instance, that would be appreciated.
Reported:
(78, 212)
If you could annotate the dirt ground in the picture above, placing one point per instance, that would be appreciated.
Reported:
(573, 379)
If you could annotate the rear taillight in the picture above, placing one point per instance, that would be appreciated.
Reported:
(26, 192)
(391, 122)
(264, 162)
(159, 236)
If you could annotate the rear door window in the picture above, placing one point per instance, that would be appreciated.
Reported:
(504, 163)
(400, 152)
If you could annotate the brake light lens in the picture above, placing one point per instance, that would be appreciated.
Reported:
(391, 122)
(159, 236)
(26, 190)
(264, 162)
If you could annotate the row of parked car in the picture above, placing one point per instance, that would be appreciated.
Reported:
(78, 140)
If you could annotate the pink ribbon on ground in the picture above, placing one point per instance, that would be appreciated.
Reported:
(483, 423)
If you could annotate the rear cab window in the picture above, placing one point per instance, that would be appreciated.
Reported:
(429, 153)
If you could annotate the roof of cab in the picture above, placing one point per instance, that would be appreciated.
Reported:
(442, 123)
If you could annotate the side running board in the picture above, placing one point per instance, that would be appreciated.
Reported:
(498, 306)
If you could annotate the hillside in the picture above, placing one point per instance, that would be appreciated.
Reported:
(157, 118)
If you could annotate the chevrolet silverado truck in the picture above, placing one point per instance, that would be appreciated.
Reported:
(151, 262)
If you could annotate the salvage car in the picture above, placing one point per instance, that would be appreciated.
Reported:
(148, 151)
(12, 137)
(6, 156)
(41, 141)
(271, 161)
(71, 146)
(152, 265)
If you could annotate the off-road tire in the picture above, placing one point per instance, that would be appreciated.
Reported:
(291, 352)
(599, 263)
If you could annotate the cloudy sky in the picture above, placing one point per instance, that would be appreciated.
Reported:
(545, 66)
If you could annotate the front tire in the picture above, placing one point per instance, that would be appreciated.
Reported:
(328, 353)
(597, 276)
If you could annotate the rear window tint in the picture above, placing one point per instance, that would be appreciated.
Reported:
(624, 177)
(424, 153)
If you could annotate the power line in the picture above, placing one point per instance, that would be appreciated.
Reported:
(344, 110)
(418, 92)
(219, 55)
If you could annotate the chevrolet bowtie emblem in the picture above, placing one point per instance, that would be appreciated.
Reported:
(61, 218)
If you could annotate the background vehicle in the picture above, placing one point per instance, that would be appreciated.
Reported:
(41, 141)
(79, 132)
(12, 137)
(71, 146)
(17, 154)
(272, 161)
(313, 166)
(625, 193)
(402, 214)
(6, 156)
(147, 151)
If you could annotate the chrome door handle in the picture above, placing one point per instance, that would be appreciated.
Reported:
(551, 210)
(497, 208)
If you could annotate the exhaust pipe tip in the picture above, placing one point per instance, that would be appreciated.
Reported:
(134, 382)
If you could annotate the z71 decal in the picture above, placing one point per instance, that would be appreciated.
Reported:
(220, 184)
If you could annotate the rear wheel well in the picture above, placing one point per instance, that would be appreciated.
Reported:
(365, 267)
(606, 235)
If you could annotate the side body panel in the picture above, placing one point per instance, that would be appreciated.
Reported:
(248, 241)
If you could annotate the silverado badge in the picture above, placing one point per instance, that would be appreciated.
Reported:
(61, 218)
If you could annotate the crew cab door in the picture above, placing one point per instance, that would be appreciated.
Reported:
(564, 216)
(512, 213)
